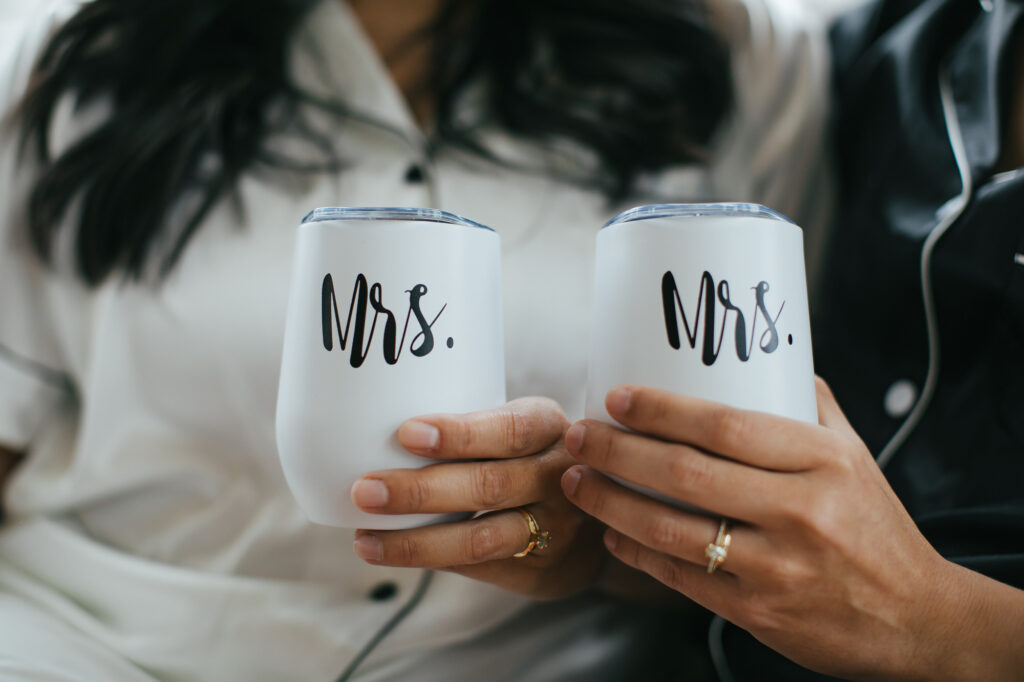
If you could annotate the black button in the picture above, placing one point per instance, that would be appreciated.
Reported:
(414, 175)
(384, 591)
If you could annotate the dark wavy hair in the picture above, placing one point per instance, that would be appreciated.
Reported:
(641, 84)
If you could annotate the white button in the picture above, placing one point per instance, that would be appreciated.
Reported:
(900, 397)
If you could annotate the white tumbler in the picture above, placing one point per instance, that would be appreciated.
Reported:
(705, 300)
(393, 313)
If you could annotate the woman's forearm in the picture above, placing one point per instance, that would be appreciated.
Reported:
(978, 632)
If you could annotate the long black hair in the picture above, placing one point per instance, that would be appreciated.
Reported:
(195, 88)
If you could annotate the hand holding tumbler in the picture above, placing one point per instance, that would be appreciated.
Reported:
(393, 314)
(705, 300)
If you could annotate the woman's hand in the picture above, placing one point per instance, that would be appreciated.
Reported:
(523, 458)
(825, 565)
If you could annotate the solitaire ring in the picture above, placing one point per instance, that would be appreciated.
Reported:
(538, 539)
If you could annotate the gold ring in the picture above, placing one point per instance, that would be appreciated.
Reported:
(717, 551)
(538, 539)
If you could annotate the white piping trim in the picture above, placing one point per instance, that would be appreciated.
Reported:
(957, 207)
(1005, 176)
(717, 649)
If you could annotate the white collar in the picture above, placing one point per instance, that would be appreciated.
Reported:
(335, 59)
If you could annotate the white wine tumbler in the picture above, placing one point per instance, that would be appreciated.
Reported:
(705, 300)
(393, 313)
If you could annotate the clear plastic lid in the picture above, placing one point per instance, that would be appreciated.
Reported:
(724, 210)
(428, 215)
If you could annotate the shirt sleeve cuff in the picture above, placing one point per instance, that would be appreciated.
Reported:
(28, 395)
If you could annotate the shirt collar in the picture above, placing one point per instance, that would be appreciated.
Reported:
(334, 59)
(980, 73)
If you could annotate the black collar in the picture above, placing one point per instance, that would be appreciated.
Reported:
(980, 66)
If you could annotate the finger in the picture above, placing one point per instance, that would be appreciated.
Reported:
(520, 427)
(674, 532)
(462, 486)
(756, 438)
(510, 574)
(718, 592)
(829, 412)
(488, 538)
(522, 577)
(682, 472)
(574, 562)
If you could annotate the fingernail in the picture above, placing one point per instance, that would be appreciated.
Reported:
(368, 547)
(574, 438)
(617, 401)
(611, 539)
(421, 436)
(369, 492)
(571, 479)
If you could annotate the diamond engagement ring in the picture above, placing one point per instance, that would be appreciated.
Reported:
(538, 539)
(717, 551)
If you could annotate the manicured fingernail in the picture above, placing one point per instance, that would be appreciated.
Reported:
(611, 539)
(574, 438)
(368, 547)
(369, 493)
(617, 401)
(571, 479)
(419, 436)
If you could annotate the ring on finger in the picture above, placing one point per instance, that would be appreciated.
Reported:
(539, 539)
(717, 551)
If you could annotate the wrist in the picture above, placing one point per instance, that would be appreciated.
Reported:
(969, 629)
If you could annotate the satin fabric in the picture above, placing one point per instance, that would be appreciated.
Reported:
(959, 473)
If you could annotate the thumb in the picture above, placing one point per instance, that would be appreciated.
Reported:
(830, 414)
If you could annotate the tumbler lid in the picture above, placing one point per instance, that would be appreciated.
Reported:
(725, 210)
(429, 215)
